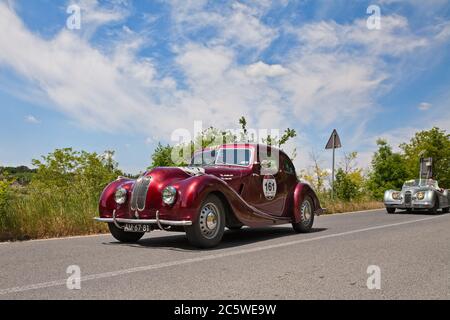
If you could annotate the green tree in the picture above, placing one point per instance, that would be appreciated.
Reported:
(349, 181)
(315, 175)
(180, 154)
(162, 156)
(388, 170)
(433, 143)
(345, 188)
(67, 168)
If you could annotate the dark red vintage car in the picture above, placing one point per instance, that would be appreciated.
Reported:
(231, 186)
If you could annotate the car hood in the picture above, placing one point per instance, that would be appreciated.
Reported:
(416, 189)
(167, 174)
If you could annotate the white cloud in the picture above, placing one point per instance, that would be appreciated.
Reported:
(424, 106)
(32, 119)
(236, 24)
(261, 69)
(335, 74)
(94, 16)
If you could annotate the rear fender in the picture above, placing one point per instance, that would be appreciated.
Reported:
(301, 191)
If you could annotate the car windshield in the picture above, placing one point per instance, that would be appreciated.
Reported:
(233, 156)
(205, 158)
(420, 183)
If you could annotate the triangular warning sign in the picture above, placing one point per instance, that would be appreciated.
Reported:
(334, 139)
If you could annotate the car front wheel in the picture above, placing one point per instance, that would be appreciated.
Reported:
(208, 229)
(122, 236)
(307, 216)
(390, 210)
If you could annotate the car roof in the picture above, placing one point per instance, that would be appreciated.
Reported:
(240, 145)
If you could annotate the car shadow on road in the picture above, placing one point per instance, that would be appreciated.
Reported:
(420, 213)
(231, 239)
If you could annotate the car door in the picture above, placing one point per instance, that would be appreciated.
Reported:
(290, 181)
(266, 190)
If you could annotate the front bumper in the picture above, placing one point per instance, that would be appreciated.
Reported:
(413, 205)
(159, 222)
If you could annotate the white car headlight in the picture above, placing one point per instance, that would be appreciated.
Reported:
(420, 195)
(396, 195)
(120, 196)
(169, 195)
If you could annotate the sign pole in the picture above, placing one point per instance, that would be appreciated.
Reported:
(332, 169)
(333, 143)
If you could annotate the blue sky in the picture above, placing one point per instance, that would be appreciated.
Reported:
(138, 70)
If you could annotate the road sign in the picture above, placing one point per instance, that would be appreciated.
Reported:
(333, 143)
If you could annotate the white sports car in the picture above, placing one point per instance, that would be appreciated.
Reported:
(419, 194)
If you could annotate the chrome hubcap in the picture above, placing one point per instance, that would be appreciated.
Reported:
(209, 220)
(306, 210)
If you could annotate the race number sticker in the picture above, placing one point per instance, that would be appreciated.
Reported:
(269, 187)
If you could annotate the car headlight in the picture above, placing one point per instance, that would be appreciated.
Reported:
(169, 195)
(420, 195)
(396, 195)
(120, 196)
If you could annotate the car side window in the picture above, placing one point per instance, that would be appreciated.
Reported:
(288, 166)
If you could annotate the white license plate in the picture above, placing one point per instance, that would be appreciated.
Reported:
(132, 227)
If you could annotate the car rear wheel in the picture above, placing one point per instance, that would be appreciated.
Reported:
(435, 208)
(307, 216)
(208, 229)
(122, 236)
(390, 210)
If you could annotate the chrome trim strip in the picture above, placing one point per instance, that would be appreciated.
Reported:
(139, 193)
(158, 221)
(115, 220)
(146, 221)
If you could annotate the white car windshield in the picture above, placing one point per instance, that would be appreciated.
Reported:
(421, 183)
(224, 156)
(233, 156)
(205, 158)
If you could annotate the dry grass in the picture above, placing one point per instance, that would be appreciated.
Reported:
(338, 206)
(34, 215)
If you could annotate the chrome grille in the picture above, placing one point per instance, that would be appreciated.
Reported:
(408, 197)
(139, 194)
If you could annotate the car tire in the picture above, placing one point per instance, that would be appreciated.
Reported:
(390, 210)
(307, 216)
(435, 208)
(122, 236)
(207, 230)
(446, 210)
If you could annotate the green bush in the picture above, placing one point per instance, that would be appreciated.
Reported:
(62, 198)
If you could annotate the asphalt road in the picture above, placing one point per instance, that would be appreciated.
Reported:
(412, 252)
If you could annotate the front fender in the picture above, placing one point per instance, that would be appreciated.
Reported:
(301, 191)
(107, 203)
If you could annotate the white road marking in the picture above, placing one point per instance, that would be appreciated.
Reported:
(203, 258)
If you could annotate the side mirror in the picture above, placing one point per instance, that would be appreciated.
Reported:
(257, 167)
